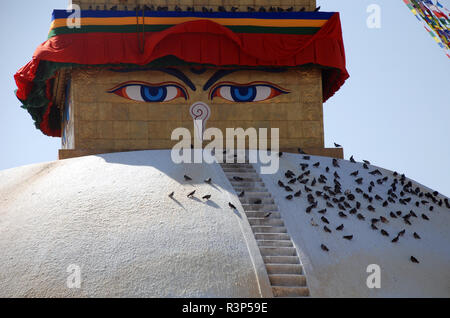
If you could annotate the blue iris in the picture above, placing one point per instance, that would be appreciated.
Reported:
(154, 94)
(243, 93)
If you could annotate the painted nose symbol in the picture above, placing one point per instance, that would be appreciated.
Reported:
(200, 113)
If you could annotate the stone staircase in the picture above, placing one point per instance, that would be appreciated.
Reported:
(277, 250)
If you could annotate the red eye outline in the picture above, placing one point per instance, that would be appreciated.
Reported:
(120, 90)
(276, 89)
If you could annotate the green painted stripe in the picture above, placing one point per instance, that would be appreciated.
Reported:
(157, 28)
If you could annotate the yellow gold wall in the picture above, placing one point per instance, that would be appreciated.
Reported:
(106, 121)
(309, 5)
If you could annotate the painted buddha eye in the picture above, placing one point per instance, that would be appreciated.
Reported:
(150, 93)
(252, 92)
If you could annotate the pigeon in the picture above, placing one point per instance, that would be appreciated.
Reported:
(325, 220)
(171, 195)
(383, 232)
(241, 194)
(354, 174)
(258, 201)
(352, 160)
(317, 9)
(401, 233)
(208, 180)
(280, 154)
(281, 184)
(414, 260)
(238, 178)
(392, 214)
(191, 194)
(342, 215)
(187, 178)
(288, 189)
(297, 194)
(306, 157)
(366, 162)
(326, 229)
(232, 206)
(373, 227)
(395, 240)
(313, 223)
(370, 208)
(384, 220)
(360, 216)
(337, 145)
(425, 217)
(300, 151)
(268, 214)
(323, 211)
(316, 165)
(335, 163)
(289, 197)
(207, 197)
(324, 247)
(359, 180)
(340, 227)
(416, 236)
(348, 237)
(365, 166)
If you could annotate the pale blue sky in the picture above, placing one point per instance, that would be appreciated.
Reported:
(394, 110)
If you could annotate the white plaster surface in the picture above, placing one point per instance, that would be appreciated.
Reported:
(341, 272)
(111, 216)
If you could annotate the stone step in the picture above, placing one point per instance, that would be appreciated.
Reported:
(276, 243)
(255, 194)
(272, 236)
(259, 214)
(285, 291)
(277, 251)
(236, 166)
(266, 221)
(246, 174)
(284, 269)
(289, 280)
(260, 207)
(268, 229)
(253, 200)
(239, 189)
(247, 184)
(281, 260)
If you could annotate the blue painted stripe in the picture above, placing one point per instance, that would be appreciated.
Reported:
(64, 14)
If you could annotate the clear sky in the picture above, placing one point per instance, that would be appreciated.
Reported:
(394, 110)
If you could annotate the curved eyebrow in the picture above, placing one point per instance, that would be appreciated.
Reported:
(171, 71)
(221, 73)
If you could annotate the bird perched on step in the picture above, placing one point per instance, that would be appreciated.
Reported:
(191, 194)
(348, 237)
(208, 180)
(241, 194)
(300, 151)
(352, 160)
(324, 248)
(337, 145)
(187, 178)
(258, 201)
(416, 236)
(340, 227)
(326, 229)
(207, 197)
(171, 195)
(238, 179)
(335, 163)
(414, 260)
(325, 220)
(231, 205)
(317, 9)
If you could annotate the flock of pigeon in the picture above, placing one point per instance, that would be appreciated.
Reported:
(323, 191)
